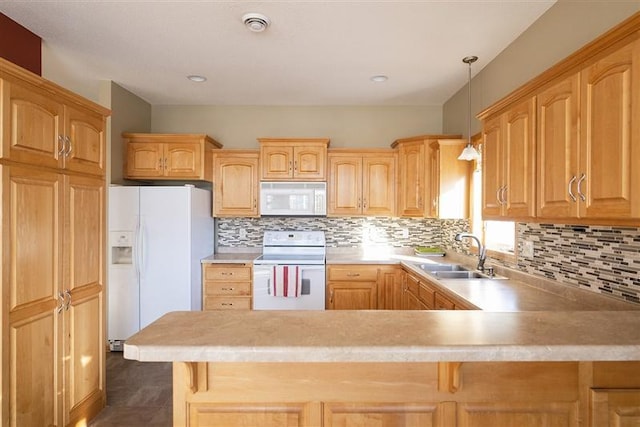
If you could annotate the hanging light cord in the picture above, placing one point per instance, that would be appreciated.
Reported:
(469, 60)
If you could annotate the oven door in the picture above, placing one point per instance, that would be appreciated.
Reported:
(312, 289)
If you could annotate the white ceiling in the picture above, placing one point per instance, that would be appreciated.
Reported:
(314, 52)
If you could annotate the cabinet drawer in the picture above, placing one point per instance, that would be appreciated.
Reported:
(227, 288)
(227, 272)
(413, 284)
(352, 273)
(227, 303)
(427, 295)
(443, 303)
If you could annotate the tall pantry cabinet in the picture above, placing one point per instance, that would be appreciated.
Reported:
(52, 165)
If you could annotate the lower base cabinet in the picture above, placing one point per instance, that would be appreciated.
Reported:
(480, 394)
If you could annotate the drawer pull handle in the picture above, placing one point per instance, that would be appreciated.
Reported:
(353, 274)
(227, 303)
(227, 289)
(224, 273)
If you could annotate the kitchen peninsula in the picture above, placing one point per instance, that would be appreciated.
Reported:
(400, 368)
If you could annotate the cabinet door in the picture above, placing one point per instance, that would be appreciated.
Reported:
(382, 414)
(610, 136)
(519, 160)
(183, 160)
(492, 168)
(236, 186)
(309, 162)
(615, 408)
(276, 162)
(557, 149)
(378, 185)
(389, 288)
(85, 150)
(449, 180)
(411, 179)
(345, 185)
(352, 296)
(31, 125)
(84, 328)
(202, 414)
(144, 160)
(32, 284)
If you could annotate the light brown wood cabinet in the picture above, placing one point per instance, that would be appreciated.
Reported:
(608, 177)
(584, 172)
(449, 394)
(449, 180)
(508, 172)
(235, 183)
(168, 156)
(352, 287)
(301, 159)
(576, 125)
(69, 136)
(390, 287)
(418, 184)
(226, 286)
(53, 212)
(361, 182)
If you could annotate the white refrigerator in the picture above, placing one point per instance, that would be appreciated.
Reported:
(157, 237)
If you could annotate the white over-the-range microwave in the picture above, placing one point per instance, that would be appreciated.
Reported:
(293, 198)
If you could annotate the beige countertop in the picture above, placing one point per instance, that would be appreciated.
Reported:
(226, 258)
(388, 336)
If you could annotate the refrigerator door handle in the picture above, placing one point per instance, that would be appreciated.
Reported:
(136, 249)
(140, 248)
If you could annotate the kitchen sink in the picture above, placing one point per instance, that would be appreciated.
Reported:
(459, 274)
(455, 271)
(443, 267)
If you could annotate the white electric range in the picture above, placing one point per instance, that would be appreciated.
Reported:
(290, 273)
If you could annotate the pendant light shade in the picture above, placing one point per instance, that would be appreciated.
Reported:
(469, 153)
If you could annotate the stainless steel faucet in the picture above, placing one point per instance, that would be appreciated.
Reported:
(482, 251)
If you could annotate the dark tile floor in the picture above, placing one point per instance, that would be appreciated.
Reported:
(138, 394)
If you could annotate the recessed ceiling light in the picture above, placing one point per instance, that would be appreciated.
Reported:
(256, 22)
(379, 79)
(197, 79)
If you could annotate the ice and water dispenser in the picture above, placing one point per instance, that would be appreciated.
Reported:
(121, 244)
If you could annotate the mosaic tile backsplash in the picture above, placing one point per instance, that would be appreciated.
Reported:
(597, 258)
(344, 231)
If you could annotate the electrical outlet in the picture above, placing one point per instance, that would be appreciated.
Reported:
(404, 233)
(527, 249)
(242, 233)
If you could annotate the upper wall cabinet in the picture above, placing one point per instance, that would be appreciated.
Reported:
(608, 179)
(587, 128)
(557, 154)
(168, 156)
(509, 163)
(422, 171)
(299, 159)
(449, 180)
(235, 183)
(362, 182)
(70, 136)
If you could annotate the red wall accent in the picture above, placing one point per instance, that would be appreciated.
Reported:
(20, 46)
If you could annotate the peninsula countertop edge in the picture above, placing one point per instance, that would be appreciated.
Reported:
(388, 336)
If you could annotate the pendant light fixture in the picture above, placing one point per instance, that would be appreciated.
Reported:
(469, 153)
